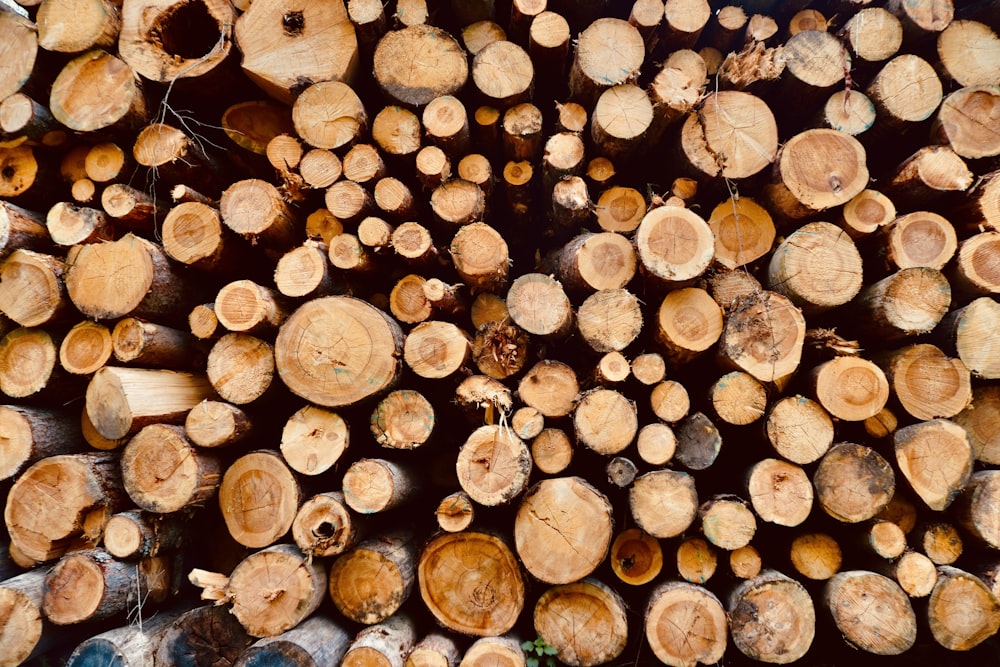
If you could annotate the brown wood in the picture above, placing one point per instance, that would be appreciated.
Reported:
(552, 451)
(163, 472)
(636, 557)
(141, 534)
(480, 257)
(816, 556)
(565, 545)
(763, 335)
(373, 579)
(20, 601)
(976, 508)
(385, 643)
(906, 303)
(850, 388)
(980, 421)
(685, 624)
(434, 650)
(70, 224)
(22, 229)
(771, 618)
(134, 341)
(258, 497)
(32, 291)
(471, 583)
(455, 512)
(31, 434)
(940, 541)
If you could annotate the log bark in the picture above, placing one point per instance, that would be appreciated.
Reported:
(128, 645)
(134, 341)
(968, 331)
(316, 641)
(976, 508)
(31, 434)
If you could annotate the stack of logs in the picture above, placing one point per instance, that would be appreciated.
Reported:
(474, 332)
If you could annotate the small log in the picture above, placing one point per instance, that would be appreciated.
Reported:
(780, 492)
(727, 522)
(636, 557)
(612, 368)
(255, 210)
(771, 618)
(259, 498)
(559, 546)
(656, 444)
(324, 526)
(217, 424)
(866, 213)
(140, 534)
(980, 616)
(32, 291)
(952, 43)
(71, 225)
(648, 501)
(503, 74)
(441, 70)
(940, 541)
(649, 368)
(871, 612)
(90, 585)
(171, 154)
(745, 563)
(608, 52)
(817, 266)
(317, 640)
(605, 421)
(130, 208)
(203, 323)
(493, 465)
(905, 91)
(962, 122)
(20, 115)
(799, 429)
(404, 419)
(885, 539)
(973, 274)
(363, 164)
(204, 635)
(873, 35)
(915, 573)
(436, 349)
(313, 440)
(927, 175)
(96, 91)
(305, 272)
(434, 650)
(685, 624)
(31, 434)
(240, 368)
(744, 231)
(471, 583)
(396, 131)
(134, 341)
(20, 602)
(585, 622)
(620, 121)
(609, 320)
(816, 556)
(853, 482)
(246, 307)
(376, 485)
(620, 209)
(28, 364)
(373, 579)
(275, 589)
(688, 323)
(850, 388)
(906, 303)
(193, 235)
(552, 451)
(455, 512)
(480, 255)
(162, 472)
(130, 645)
(522, 132)
(538, 304)
(22, 229)
(670, 401)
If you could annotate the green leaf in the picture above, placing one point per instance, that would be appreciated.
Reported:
(531, 662)
(550, 650)
(527, 645)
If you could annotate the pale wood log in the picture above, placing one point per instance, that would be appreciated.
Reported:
(981, 421)
(170, 154)
(21, 173)
(715, 144)
(973, 273)
(600, 171)
(866, 213)
(871, 612)
(815, 556)
(478, 35)
(884, 539)
(799, 429)
(163, 472)
(745, 563)
(95, 439)
(258, 497)
(780, 492)
(441, 68)
(120, 401)
(434, 650)
(763, 335)
(320, 168)
(850, 388)
(359, 361)
(396, 130)
(608, 52)
(683, 22)
(363, 163)
(853, 482)
(921, 238)
(486, 651)
(275, 589)
(688, 323)
(620, 121)
(503, 74)
(32, 434)
(962, 612)
(517, 180)
(743, 230)
(570, 207)
(926, 382)
(28, 364)
(725, 32)
(375, 233)
(105, 162)
(650, 508)
(255, 210)
(605, 421)
(90, 585)
(905, 91)
(656, 443)
(395, 198)
(915, 573)
(538, 304)
(32, 291)
(962, 122)
(95, 91)
(562, 158)
(192, 234)
(522, 132)
(649, 368)
(730, 287)
(873, 35)
(906, 303)
(584, 621)
(471, 582)
(961, 37)
(348, 254)
(140, 534)
(552, 451)
(404, 419)
(305, 272)
(436, 349)
(135, 341)
(771, 618)
(940, 541)
(970, 331)
(254, 123)
(800, 189)
(670, 401)
(71, 225)
(620, 209)
(273, 46)
(130, 208)
(246, 307)
(612, 368)
(676, 89)
(674, 244)
(636, 557)
(324, 526)
(411, 13)
(369, 21)
(203, 323)
(20, 603)
(493, 465)
(882, 424)
(817, 266)
(455, 512)
(415, 244)
(559, 546)
(240, 368)
(976, 507)
(369, 582)
(927, 175)
(373, 485)
(21, 229)
(284, 152)
(480, 255)
(407, 301)
(318, 640)
(457, 202)
(685, 624)
(609, 320)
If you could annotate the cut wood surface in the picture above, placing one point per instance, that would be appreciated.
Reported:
(446, 333)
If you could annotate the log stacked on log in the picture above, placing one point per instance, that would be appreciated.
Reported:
(440, 333)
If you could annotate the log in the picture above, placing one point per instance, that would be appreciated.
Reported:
(670, 401)
(128, 645)
(370, 582)
(70, 224)
(324, 526)
(771, 618)
(493, 465)
(817, 267)
(97, 91)
(961, 122)
(21, 51)
(605, 421)
(471, 583)
(32, 434)
(674, 244)
(799, 429)
(906, 303)
(259, 498)
(162, 472)
(28, 364)
(434, 650)
(954, 39)
(255, 210)
(853, 482)
(744, 231)
(436, 349)
(685, 624)
(816, 556)
(926, 382)
(905, 91)
(192, 234)
(396, 131)
(779, 492)
(275, 589)
(940, 541)
(609, 320)
(387, 643)
(551, 451)
(608, 52)
(850, 388)
(649, 507)
(763, 335)
(134, 341)
(688, 323)
(140, 534)
(585, 622)
(961, 631)
(440, 69)
(169, 153)
(316, 641)
(656, 443)
(864, 605)
(217, 424)
(377, 485)
(697, 560)
(329, 114)
(404, 419)
(636, 557)
(715, 145)
(202, 636)
(979, 421)
(20, 602)
(976, 507)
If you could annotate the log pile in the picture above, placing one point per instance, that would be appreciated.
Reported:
(498, 331)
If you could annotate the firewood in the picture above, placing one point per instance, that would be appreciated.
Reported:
(163, 472)
(396, 131)
(780, 492)
(620, 120)
(254, 482)
(873, 35)
(478, 35)
(317, 639)
(771, 618)
(839, 487)
(679, 637)
(745, 562)
(961, 631)
(915, 573)
(636, 558)
(862, 603)
(816, 556)
(487, 651)
(471, 583)
(663, 520)
(584, 621)
(493, 465)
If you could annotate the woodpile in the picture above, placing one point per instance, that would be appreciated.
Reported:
(485, 332)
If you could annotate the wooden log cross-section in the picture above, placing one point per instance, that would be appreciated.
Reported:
(464, 333)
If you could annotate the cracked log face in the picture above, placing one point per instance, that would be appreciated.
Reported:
(733, 135)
